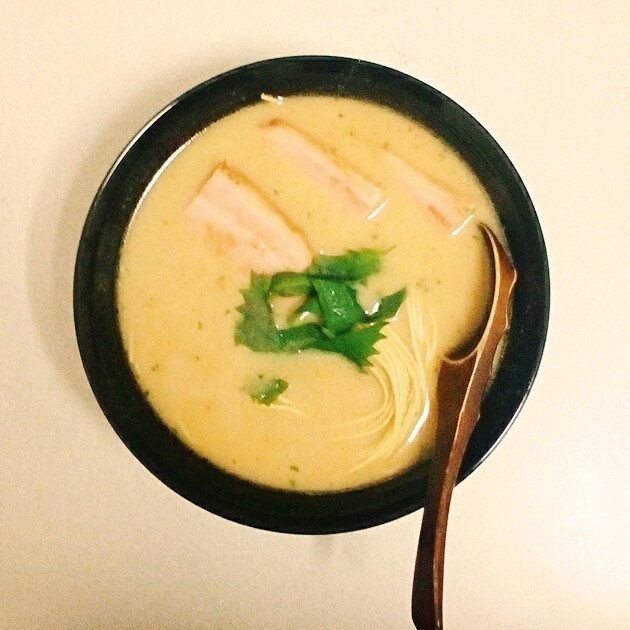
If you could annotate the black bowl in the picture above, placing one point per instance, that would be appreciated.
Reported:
(95, 310)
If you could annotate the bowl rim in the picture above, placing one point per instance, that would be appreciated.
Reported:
(96, 322)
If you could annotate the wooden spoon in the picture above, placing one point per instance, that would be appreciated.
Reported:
(462, 383)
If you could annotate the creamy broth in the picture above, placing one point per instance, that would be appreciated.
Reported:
(178, 292)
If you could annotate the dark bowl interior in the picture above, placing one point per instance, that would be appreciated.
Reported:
(95, 309)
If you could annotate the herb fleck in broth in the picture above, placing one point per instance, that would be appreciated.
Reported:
(179, 290)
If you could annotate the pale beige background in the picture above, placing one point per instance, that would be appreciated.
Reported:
(539, 535)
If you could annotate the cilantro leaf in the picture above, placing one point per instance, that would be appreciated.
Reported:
(354, 266)
(267, 392)
(256, 329)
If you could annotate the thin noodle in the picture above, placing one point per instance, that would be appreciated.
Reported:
(401, 374)
(285, 404)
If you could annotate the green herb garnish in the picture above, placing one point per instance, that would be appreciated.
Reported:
(338, 304)
(267, 391)
(308, 311)
(301, 337)
(256, 329)
(330, 318)
(287, 283)
(354, 266)
(389, 305)
(356, 345)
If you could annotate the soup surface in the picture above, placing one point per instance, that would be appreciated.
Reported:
(336, 426)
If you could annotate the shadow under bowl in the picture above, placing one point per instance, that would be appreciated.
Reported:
(95, 307)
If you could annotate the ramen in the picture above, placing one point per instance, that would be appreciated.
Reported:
(289, 283)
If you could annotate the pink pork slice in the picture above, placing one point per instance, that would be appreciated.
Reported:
(237, 216)
(357, 193)
(450, 212)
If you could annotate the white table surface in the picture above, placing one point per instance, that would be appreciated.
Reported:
(539, 536)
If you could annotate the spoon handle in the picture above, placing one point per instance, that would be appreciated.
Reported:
(461, 387)
(426, 607)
